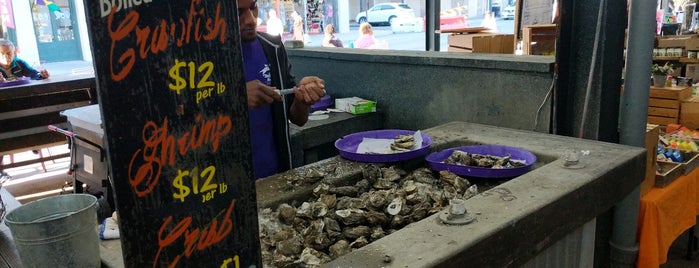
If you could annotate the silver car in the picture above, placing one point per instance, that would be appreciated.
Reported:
(385, 13)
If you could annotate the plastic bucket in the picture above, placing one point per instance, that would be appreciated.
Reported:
(59, 231)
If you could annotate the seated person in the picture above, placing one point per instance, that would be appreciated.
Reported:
(12, 67)
(330, 39)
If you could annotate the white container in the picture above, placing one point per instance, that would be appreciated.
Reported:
(86, 117)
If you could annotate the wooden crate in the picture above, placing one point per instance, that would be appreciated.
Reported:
(665, 102)
(539, 39)
(689, 112)
(481, 43)
(651, 145)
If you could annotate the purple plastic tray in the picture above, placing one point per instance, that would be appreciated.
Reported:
(435, 161)
(324, 103)
(347, 146)
(19, 81)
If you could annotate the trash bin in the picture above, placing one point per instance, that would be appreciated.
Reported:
(495, 9)
(58, 231)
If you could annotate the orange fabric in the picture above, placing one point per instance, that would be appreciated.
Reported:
(664, 214)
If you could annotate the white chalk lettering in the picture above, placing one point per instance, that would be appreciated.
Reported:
(107, 5)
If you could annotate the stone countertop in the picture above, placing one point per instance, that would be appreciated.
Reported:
(529, 213)
(541, 206)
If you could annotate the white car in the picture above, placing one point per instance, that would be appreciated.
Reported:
(385, 13)
(508, 13)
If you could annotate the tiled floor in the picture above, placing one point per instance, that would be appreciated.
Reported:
(31, 182)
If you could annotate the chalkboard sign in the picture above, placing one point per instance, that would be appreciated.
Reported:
(171, 88)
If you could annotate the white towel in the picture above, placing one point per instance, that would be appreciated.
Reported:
(109, 228)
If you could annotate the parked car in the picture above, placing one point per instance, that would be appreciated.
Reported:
(509, 13)
(385, 13)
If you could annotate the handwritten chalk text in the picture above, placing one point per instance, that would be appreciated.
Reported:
(194, 239)
(160, 148)
(195, 27)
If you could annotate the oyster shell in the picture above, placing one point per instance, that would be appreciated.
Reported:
(403, 143)
(360, 242)
(287, 213)
(340, 248)
(355, 232)
(344, 190)
(372, 173)
(351, 216)
(392, 173)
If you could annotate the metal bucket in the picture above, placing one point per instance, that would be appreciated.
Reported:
(59, 231)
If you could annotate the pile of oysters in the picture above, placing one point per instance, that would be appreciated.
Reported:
(459, 157)
(339, 219)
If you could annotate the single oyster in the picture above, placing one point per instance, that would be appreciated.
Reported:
(376, 218)
(423, 175)
(356, 231)
(392, 173)
(287, 213)
(351, 216)
(330, 200)
(403, 143)
(311, 256)
(372, 173)
(346, 202)
(383, 184)
(313, 175)
(459, 157)
(360, 242)
(321, 189)
(344, 190)
(281, 260)
(340, 248)
(291, 246)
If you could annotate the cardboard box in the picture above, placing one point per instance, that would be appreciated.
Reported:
(692, 71)
(651, 145)
(689, 112)
(692, 43)
(355, 105)
(483, 42)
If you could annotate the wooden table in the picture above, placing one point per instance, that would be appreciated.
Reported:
(664, 214)
(27, 110)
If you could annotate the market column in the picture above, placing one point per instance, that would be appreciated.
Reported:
(170, 84)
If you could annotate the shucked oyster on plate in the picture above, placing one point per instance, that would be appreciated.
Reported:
(403, 143)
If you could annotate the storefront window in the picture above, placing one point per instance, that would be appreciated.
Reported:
(52, 21)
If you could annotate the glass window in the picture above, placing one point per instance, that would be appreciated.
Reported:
(52, 20)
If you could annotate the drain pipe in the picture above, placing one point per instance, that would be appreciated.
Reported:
(624, 248)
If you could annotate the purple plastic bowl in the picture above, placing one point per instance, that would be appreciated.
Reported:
(348, 144)
(435, 161)
(19, 81)
(324, 103)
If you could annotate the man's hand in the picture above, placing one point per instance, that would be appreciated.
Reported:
(260, 94)
(44, 73)
(310, 90)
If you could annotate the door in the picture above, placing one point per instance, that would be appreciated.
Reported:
(56, 32)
